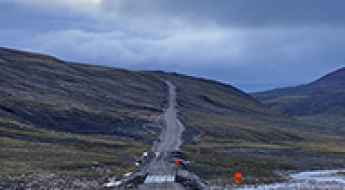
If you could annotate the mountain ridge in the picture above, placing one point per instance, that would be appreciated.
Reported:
(315, 102)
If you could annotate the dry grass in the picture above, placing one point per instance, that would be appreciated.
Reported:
(28, 153)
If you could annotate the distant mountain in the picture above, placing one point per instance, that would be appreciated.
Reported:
(76, 117)
(321, 102)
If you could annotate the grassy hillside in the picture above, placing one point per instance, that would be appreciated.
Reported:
(37, 158)
(52, 94)
(321, 102)
(62, 122)
(74, 124)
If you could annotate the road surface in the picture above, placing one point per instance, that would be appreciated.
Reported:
(170, 139)
(161, 171)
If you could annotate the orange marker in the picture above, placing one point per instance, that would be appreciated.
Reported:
(178, 163)
(238, 178)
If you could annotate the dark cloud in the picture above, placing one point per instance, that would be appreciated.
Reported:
(253, 44)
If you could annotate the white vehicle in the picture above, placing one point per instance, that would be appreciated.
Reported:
(145, 154)
(113, 184)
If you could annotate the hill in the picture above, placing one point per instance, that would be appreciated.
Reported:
(321, 102)
(68, 122)
(62, 122)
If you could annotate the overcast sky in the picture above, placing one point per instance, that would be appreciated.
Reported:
(252, 44)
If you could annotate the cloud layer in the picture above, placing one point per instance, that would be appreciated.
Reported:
(253, 44)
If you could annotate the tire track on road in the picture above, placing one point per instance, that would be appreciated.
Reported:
(170, 140)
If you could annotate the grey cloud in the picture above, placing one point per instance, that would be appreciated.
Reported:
(250, 43)
(241, 13)
(251, 59)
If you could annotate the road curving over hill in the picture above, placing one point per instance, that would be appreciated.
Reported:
(159, 170)
(171, 136)
(170, 140)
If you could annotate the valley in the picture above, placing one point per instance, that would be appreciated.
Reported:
(72, 125)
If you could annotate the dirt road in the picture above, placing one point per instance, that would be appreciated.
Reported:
(161, 171)
(170, 139)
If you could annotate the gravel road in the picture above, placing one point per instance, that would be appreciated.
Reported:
(170, 140)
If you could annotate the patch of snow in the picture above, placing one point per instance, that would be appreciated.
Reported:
(128, 174)
(321, 179)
